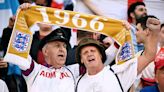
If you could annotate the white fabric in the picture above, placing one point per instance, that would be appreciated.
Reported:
(148, 72)
(111, 54)
(23, 63)
(81, 7)
(3, 86)
(118, 8)
(105, 81)
(5, 15)
(127, 73)
(154, 8)
(108, 8)
(43, 79)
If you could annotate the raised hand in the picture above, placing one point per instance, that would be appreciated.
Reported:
(2, 63)
(25, 6)
(153, 24)
(126, 25)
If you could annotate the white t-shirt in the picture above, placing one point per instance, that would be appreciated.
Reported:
(44, 79)
(148, 72)
(3, 86)
(106, 81)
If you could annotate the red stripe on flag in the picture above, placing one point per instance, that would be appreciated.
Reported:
(57, 5)
(133, 1)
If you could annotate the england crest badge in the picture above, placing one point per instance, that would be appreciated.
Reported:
(21, 41)
(125, 53)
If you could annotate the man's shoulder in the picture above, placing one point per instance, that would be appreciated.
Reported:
(73, 66)
(2, 82)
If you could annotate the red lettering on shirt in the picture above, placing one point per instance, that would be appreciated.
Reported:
(63, 74)
(48, 74)
(53, 74)
(42, 73)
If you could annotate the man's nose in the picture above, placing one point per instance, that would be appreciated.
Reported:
(90, 53)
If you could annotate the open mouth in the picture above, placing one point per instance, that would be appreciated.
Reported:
(60, 55)
(91, 60)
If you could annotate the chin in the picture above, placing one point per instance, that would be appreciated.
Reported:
(62, 62)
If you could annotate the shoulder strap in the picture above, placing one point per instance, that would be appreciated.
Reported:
(72, 75)
(117, 79)
(111, 70)
(78, 82)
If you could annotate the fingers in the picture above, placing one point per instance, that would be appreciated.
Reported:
(3, 64)
(1, 59)
(153, 21)
(153, 24)
(25, 6)
(126, 25)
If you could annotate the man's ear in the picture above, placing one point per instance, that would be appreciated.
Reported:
(132, 15)
(44, 50)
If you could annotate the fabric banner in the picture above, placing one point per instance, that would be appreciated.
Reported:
(7, 9)
(21, 38)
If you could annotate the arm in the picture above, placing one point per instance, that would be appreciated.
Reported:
(25, 6)
(130, 70)
(3, 64)
(29, 68)
(111, 53)
(93, 7)
(23, 63)
(151, 46)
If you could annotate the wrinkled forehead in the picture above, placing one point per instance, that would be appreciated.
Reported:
(88, 47)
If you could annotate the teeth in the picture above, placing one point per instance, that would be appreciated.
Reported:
(91, 60)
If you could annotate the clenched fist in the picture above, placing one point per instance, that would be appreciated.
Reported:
(153, 24)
